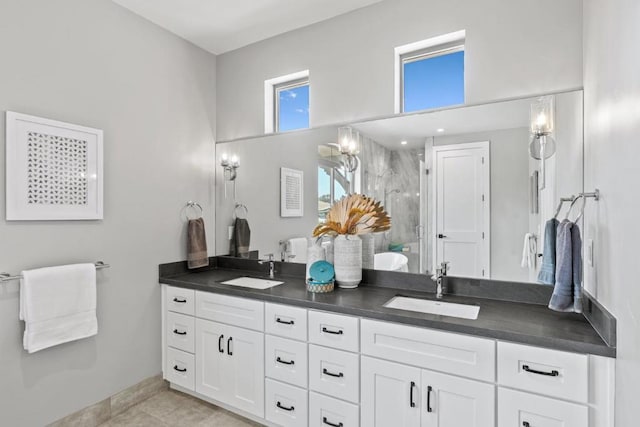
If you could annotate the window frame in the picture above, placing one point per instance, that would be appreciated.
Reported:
(269, 97)
(423, 54)
(279, 88)
(431, 45)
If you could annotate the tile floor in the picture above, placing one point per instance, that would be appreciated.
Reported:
(171, 408)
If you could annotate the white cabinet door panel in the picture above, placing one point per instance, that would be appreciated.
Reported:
(390, 394)
(449, 401)
(519, 409)
(210, 359)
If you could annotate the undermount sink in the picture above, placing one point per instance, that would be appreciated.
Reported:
(252, 282)
(463, 311)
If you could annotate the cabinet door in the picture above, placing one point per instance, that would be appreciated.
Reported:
(390, 394)
(244, 370)
(210, 359)
(449, 401)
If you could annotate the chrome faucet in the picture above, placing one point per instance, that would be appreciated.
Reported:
(439, 277)
(272, 265)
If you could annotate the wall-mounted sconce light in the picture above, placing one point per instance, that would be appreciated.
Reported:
(230, 172)
(349, 142)
(542, 145)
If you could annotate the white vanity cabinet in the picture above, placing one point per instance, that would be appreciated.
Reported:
(297, 367)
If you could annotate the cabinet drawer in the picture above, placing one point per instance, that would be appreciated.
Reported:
(436, 350)
(540, 370)
(516, 408)
(327, 412)
(286, 321)
(180, 300)
(234, 311)
(180, 331)
(286, 360)
(180, 368)
(334, 330)
(286, 405)
(334, 372)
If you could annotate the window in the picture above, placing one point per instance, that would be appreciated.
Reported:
(291, 106)
(286, 102)
(333, 182)
(430, 73)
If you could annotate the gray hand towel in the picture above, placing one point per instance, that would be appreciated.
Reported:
(239, 246)
(568, 287)
(196, 244)
(547, 274)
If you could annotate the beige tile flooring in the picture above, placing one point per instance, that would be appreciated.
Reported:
(171, 408)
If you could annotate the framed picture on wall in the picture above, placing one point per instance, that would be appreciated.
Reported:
(291, 193)
(53, 170)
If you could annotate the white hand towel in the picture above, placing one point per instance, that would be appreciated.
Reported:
(58, 305)
(529, 252)
(298, 247)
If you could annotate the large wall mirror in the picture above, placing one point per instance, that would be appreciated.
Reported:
(462, 185)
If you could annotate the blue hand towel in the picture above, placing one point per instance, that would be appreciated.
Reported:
(568, 287)
(547, 274)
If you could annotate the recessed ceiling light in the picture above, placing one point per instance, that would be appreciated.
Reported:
(440, 130)
(403, 142)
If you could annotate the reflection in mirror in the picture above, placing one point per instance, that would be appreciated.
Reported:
(461, 185)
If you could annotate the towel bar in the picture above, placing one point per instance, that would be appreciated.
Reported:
(6, 277)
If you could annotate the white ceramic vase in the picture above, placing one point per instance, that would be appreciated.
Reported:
(348, 260)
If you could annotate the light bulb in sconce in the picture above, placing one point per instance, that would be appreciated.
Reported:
(224, 160)
(235, 162)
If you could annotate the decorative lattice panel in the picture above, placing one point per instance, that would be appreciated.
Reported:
(57, 170)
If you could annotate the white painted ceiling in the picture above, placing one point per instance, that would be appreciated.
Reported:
(223, 25)
(475, 118)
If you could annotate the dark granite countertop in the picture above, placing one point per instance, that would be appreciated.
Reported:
(524, 323)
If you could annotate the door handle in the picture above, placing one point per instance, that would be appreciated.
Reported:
(229, 351)
(220, 349)
(441, 236)
(411, 387)
(429, 390)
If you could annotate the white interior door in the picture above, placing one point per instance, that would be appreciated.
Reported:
(462, 208)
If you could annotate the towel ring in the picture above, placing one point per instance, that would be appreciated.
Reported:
(562, 201)
(195, 206)
(240, 207)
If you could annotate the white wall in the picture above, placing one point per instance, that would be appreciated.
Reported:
(93, 63)
(350, 57)
(612, 153)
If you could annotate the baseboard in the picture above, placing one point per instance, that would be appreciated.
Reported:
(103, 411)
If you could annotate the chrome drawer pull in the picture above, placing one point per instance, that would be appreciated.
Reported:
(328, 331)
(331, 374)
(284, 362)
(553, 373)
(279, 405)
(325, 421)
(177, 332)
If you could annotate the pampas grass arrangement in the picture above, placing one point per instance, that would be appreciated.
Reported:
(354, 214)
